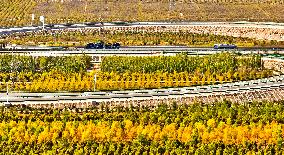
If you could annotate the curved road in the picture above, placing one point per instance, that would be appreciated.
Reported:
(122, 96)
(202, 27)
(134, 51)
(261, 85)
(10, 30)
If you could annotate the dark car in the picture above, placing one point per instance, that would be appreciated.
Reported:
(50, 25)
(108, 46)
(116, 45)
(90, 46)
(102, 45)
(67, 24)
(224, 46)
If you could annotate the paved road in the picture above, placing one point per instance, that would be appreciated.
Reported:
(147, 51)
(10, 30)
(236, 29)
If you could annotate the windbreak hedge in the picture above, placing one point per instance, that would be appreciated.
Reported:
(216, 63)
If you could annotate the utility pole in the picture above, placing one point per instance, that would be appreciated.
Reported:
(95, 80)
(33, 18)
(7, 93)
(41, 19)
(12, 64)
(172, 4)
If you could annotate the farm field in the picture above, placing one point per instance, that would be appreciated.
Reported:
(204, 103)
(187, 128)
(79, 38)
(18, 12)
(53, 74)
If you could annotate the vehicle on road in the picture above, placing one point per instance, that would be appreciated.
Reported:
(225, 46)
(102, 45)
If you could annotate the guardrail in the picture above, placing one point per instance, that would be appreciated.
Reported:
(267, 84)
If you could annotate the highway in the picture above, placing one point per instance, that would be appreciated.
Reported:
(122, 96)
(10, 30)
(269, 30)
(265, 84)
(133, 50)
(97, 55)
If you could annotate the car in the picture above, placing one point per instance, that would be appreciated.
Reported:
(108, 46)
(50, 25)
(68, 24)
(102, 45)
(116, 45)
(225, 46)
(90, 46)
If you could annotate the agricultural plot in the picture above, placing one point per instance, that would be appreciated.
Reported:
(177, 71)
(217, 128)
(18, 12)
(208, 124)
(52, 74)
(191, 37)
